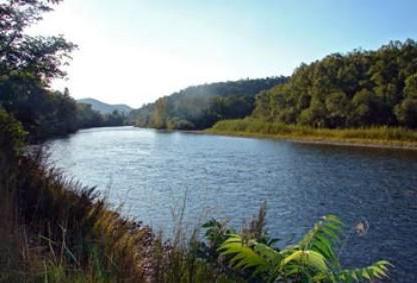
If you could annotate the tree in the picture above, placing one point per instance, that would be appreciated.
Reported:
(41, 57)
(11, 138)
(27, 66)
(338, 107)
(410, 89)
(315, 115)
(406, 112)
(357, 89)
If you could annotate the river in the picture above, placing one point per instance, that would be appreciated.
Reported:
(158, 176)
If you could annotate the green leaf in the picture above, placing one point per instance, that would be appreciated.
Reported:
(309, 258)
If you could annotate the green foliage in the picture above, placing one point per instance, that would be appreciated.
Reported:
(359, 89)
(45, 114)
(41, 57)
(41, 112)
(321, 238)
(27, 65)
(199, 107)
(313, 259)
(410, 89)
(88, 118)
(406, 112)
(372, 135)
(12, 135)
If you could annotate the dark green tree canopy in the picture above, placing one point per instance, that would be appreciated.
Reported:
(361, 88)
(41, 57)
(27, 66)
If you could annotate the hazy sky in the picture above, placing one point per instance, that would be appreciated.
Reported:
(134, 51)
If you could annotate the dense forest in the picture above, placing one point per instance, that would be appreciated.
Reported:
(87, 117)
(358, 89)
(199, 107)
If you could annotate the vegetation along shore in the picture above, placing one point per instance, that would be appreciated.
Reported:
(361, 98)
(384, 137)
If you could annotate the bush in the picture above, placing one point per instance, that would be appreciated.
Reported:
(12, 135)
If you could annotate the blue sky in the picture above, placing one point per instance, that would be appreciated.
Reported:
(134, 51)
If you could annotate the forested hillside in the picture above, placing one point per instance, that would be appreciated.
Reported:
(199, 107)
(358, 89)
(105, 108)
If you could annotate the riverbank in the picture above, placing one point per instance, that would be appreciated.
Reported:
(381, 137)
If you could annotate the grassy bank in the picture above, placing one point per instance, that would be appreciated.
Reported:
(377, 136)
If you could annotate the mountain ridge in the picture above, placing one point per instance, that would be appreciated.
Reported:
(105, 108)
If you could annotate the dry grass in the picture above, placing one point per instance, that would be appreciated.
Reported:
(55, 230)
(378, 136)
(73, 229)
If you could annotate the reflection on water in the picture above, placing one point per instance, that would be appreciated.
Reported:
(153, 173)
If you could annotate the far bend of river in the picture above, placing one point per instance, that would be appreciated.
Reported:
(154, 173)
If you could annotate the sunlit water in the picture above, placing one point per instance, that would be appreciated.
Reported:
(155, 174)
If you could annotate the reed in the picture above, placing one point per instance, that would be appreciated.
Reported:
(385, 136)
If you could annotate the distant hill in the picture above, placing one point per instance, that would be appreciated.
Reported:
(200, 106)
(105, 108)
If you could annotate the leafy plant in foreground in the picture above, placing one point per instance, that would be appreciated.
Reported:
(313, 259)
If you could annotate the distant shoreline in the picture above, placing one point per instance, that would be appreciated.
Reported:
(357, 142)
(370, 143)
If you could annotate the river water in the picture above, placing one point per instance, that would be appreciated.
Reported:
(159, 176)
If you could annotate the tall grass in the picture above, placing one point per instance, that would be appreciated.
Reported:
(73, 228)
(55, 230)
(375, 135)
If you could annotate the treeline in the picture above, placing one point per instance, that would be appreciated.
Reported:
(358, 89)
(27, 66)
(199, 107)
(88, 117)
(44, 113)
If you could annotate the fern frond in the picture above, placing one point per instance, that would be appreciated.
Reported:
(322, 237)
(243, 256)
(378, 270)
(311, 259)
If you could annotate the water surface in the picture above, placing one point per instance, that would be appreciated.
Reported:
(155, 174)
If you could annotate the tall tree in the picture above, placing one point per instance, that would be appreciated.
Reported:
(27, 66)
(360, 88)
(41, 57)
